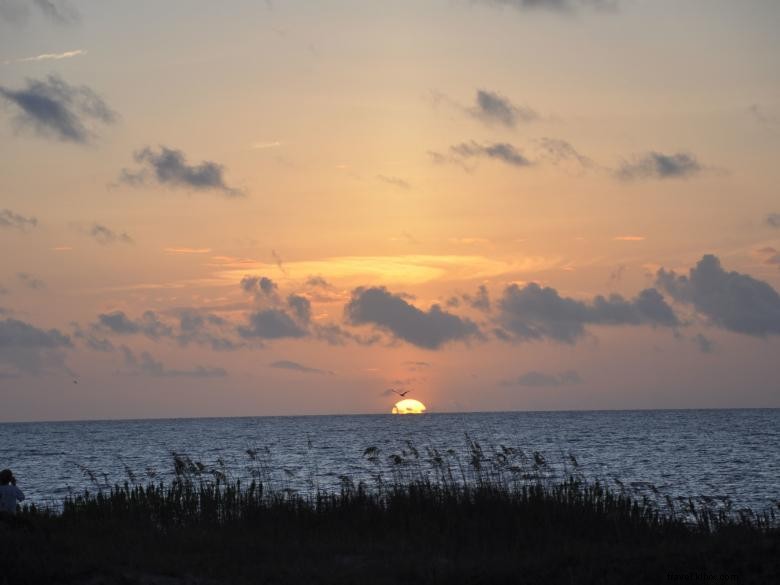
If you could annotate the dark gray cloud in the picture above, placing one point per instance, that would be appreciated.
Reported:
(704, 344)
(261, 286)
(560, 152)
(773, 220)
(105, 235)
(11, 220)
(205, 329)
(92, 341)
(58, 110)
(333, 334)
(278, 259)
(553, 5)
(656, 165)
(541, 380)
(493, 108)
(395, 182)
(733, 301)
(31, 281)
(149, 324)
(534, 312)
(297, 367)
(301, 307)
(169, 167)
(479, 301)
(58, 11)
(25, 348)
(271, 324)
(500, 151)
(145, 364)
(391, 312)
(317, 282)
(193, 327)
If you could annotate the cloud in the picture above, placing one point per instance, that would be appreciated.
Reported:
(730, 300)
(11, 220)
(541, 380)
(31, 281)
(395, 182)
(318, 282)
(333, 334)
(462, 153)
(59, 11)
(55, 109)
(560, 152)
(105, 235)
(92, 341)
(704, 344)
(296, 367)
(553, 5)
(300, 306)
(773, 220)
(761, 116)
(279, 263)
(260, 286)
(479, 301)
(390, 312)
(629, 238)
(534, 312)
(493, 108)
(656, 165)
(147, 365)
(271, 324)
(53, 56)
(205, 329)
(149, 325)
(169, 167)
(770, 256)
(185, 250)
(26, 348)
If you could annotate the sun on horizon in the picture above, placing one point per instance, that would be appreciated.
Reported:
(408, 406)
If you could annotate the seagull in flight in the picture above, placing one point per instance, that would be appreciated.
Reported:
(401, 394)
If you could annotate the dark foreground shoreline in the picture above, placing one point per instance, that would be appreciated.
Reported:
(217, 533)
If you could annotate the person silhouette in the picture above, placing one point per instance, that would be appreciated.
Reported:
(10, 495)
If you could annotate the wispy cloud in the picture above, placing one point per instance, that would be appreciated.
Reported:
(52, 56)
(264, 145)
(147, 365)
(537, 379)
(104, 235)
(298, 367)
(464, 152)
(12, 220)
(629, 238)
(185, 250)
(657, 165)
(493, 108)
(53, 108)
(168, 166)
(31, 281)
(394, 182)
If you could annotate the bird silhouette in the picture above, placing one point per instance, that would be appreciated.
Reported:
(401, 394)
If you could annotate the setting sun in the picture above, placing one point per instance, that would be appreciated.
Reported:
(408, 406)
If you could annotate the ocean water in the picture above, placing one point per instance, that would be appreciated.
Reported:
(711, 453)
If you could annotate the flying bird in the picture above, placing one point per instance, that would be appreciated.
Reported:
(401, 394)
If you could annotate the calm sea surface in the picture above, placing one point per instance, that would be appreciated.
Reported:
(712, 453)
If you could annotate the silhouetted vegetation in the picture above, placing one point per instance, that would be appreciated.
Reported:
(476, 522)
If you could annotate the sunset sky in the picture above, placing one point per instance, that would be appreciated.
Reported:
(288, 207)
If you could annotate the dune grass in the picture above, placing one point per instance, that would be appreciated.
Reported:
(478, 522)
